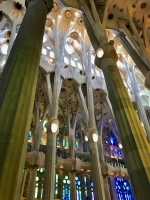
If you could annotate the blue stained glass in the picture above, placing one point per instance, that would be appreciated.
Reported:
(56, 186)
(29, 135)
(113, 140)
(77, 144)
(58, 141)
(66, 188)
(83, 146)
(123, 189)
(76, 135)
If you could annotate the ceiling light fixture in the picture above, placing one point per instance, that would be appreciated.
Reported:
(4, 49)
(95, 136)
(55, 126)
(100, 52)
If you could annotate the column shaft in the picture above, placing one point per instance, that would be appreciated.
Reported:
(96, 172)
(89, 186)
(135, 145)
(106, 187)
(60, 177)
(49, 174)
(33, 171)
(17, 91)
(81, 176)
(72, 185)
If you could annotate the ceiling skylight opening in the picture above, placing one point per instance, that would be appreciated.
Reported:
(72, 23)
(52, 55)
(79, 65)
(59, 16)
(69, 49)
(77, 14)
(73, 63)
(92, 59)
(4, 49)
(97, 72)
(44, 38)
(92, 72)
(44, 51)
(66, 60)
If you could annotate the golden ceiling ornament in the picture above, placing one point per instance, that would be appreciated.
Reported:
(68, 13)
(55, 6)
(80, 21)
(74, 35)
(48, 22)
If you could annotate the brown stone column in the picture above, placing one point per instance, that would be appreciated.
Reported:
(17, 92)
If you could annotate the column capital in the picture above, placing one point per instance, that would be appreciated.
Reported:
(109, 53)
(35, 158)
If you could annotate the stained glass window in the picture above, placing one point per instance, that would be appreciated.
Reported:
(56, 186)
(78, 188)
(66, 188)
(29, 135)
(85, 183)
(92, 191)
(77, 144)
(58, 142)
(123, 189)
(65, 142)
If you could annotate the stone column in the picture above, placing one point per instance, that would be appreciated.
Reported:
(106, 187)
(72, 185)
(26, 186)
(135, 145)
(34, 160)
(88, 178)
(31, 190)
(50, 160)
(23, 183)
(17, 92)
(113, 188)
(94, 155)
(40, 187)
(81, 176)
(60, 178)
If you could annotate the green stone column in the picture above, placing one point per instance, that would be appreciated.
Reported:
(135, 145)
(17, 91)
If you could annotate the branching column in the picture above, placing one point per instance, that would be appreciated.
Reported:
(94, 155)
(17, 92)
(50, 160)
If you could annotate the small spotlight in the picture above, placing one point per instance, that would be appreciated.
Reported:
(55, 126)
(100, 53)
(86, 138)
(4, 49)
(120, 145)
(95, 136)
